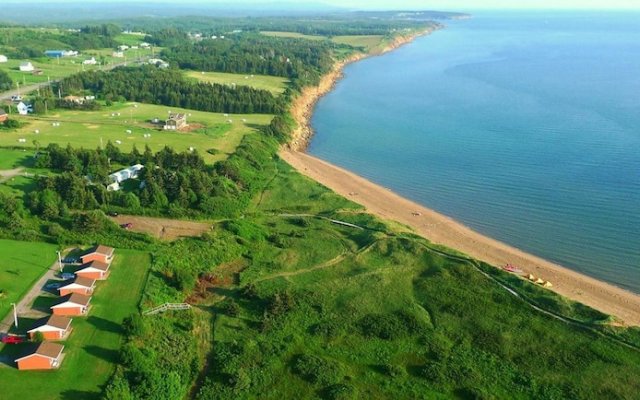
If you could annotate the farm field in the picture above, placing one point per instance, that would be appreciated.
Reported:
(274, 84)
(22, 264)
(365, 41)
(91, 352)
(91, 129)
(293, 35)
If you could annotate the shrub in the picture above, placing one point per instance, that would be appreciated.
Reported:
(317, 369)
(339, 391)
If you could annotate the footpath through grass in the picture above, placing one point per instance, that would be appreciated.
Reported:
(21, 264)
(92, 350)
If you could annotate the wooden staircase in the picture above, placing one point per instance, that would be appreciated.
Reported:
(166, 307)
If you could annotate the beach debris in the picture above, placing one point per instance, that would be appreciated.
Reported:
(416, 213)
(540, 281)
(547, 284)
(531, 277)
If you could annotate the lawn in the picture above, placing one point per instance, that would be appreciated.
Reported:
(22, 264)
(91, 352)
(91, 129)
(10, 159)
(293, 35)
(276, 85)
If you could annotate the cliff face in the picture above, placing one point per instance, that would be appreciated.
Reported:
(302, 106)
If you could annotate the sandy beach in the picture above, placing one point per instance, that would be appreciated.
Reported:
(622, 304)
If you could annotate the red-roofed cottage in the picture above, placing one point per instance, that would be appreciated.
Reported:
(46, 356)
(73, 304)
(93, 270)
(80, 285)
(54, 327)
(100, 253)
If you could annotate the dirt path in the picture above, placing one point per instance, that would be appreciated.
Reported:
(163, 228)
(7, 174)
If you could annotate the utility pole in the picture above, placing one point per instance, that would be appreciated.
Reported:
(59, 261)
(15, 314)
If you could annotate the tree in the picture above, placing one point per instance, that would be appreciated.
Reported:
(5, 81)
(38, 337)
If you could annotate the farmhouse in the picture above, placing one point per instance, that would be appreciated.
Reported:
(94, 270)
(3, 115)
(73, 304)
(98, 253)
(90, 61)
(3, 58)
(158, 63)
(53, 327)
(46, 356)
(26, 67)
(133, 172)
(80, 285)
(175, 122)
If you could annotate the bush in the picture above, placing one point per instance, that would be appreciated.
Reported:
(383, 326)
(316, 369)
(339, 391)
(231, 308)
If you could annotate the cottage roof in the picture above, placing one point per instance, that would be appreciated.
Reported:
(100, 249)
(55, 321)
(177, 116)
(74, 298)
(46, 349)
(80, 281)
(99, 265)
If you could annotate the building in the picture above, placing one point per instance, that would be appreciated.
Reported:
(98, 253)
(90, 61)
(24, 109)
(94, 270)
(53, 327)
(117, 54)
(60, 53)
(72, 304)
(80, 285)
(3, 58)
(145, 45)
(26, 67)
(74, 99)
(123, 47)
(176, 122)
(133, 172)
(46, 356)
(3, 115)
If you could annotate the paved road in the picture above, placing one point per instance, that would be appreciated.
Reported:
(30, 88)
(24, 306)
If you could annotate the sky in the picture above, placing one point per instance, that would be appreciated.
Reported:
(411, 4)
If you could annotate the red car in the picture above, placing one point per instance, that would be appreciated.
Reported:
(10, 339)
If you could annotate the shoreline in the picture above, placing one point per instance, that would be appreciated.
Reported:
(438, 228)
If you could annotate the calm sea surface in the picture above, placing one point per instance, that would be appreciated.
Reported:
(524, 126)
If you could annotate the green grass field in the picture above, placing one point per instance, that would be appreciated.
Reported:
(91, 352)
(22, 264)
(367, 42)
(90, 129)
(293, 35)
(274, 84)
(10, 159)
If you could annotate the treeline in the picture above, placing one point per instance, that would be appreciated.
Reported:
(30, 43)
(149, 84)
(5, 81)
(171, 184)
(302, 61)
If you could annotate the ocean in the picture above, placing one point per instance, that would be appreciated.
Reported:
(524, 126)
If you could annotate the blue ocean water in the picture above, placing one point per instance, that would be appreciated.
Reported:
(522, 125)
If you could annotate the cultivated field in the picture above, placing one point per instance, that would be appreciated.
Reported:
(163, 228)
(367, 42)
(91, 129)
(92, 350)
(274, 84)
(22, 263)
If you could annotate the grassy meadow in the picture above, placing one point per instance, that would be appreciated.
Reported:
(23, 263)
(91, 129)
(91, 352)
(274, 84)
(366, 42)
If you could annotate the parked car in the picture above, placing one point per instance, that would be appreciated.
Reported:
(128, 225)
(67, 275)
(69, 260)
(112, 214)
(53, 285)
(12, 339)
(16, 97)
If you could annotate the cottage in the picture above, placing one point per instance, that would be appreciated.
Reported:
(46, 356)
(72, 304)
(145, 45)
(54, 327)
(80, 285)
(117, 54)
(3, 58)
(98, 253)
(123, 47)
(94, 270)
(90, 61)
(74, 99)
(24, 109)
(175, 122)
(3, 115)
(60, 53)
(26, 67)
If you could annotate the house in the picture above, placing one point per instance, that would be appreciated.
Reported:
(53, 327)
(145, 45)
(123, 47)
(3, 58)
(26, 67)
(80, 285)
(133, 172)
(23, 109)
(3, 115)
(74, 99)
(72, 304)
(117, 54)
(158, 63)
(60, 53)
(46, 356)
(94, 270)
(175, 122)
(98, 253)
(90, 61)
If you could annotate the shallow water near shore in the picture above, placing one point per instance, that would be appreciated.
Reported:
(523, 126)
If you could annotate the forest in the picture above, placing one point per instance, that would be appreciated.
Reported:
(169, 87)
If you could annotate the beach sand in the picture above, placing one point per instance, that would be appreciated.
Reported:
(437, 228)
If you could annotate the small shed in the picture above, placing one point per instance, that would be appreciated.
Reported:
(46, 355)
(26, 67)
(3, 58)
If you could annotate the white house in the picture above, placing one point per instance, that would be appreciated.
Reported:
(3, 58)
(26, 67)
(145, 45)
(133, 172)
(90, 61)
(117, 54)
(123, 47)
(23, 109)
